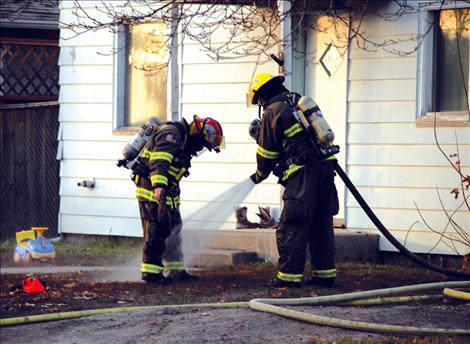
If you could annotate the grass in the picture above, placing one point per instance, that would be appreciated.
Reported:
(7, 245)
(98, 250)
(366, 266)
(102, 250)
(84, 252)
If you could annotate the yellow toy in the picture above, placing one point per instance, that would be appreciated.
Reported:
(31, 244)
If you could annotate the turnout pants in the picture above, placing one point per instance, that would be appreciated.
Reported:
(307, 220)
(162, 250)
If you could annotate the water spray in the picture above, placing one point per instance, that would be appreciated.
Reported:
(208, 219)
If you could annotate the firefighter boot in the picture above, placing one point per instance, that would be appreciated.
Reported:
(266, 221)
(242, 220)
(313, 281)
(182, 276)
(158, 279)
(280, 284)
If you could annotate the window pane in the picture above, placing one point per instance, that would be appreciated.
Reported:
(148, 57)
(454, 26)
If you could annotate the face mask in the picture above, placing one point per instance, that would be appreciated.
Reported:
(254, 129)
(202, 151)
(196, 144)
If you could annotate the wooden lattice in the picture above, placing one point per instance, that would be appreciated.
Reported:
(29, 70)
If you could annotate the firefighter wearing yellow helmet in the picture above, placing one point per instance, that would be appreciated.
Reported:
(258, 81)
(310, 200)
(163, 162)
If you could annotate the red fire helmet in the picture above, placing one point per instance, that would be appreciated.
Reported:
(211, 131)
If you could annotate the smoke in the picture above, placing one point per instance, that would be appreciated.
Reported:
(129, 272)
(198, 229)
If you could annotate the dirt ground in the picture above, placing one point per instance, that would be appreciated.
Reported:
(95, 290)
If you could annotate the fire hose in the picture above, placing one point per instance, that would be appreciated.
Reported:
(273, 306)
(390, 237)
(357, 298)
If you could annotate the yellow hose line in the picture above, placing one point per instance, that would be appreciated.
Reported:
(391, 300)
(87, 313)
(91, 312)
(354, 325)
(330, 299)
(456, 294)
(268, 305)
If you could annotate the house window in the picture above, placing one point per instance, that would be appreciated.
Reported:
(141, 74)
(443, 65)
(453, 33)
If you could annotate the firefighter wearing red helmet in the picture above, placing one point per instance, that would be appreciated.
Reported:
(310, 199)
(167, 159)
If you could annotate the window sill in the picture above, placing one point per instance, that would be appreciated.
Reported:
(126, 131)
(444, 119)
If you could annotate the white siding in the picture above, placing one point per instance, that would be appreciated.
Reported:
(88, 146)
(218, 89)
(91, 149)
(396, 165)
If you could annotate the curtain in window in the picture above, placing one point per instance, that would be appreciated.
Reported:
(453, 60)
(147, 82)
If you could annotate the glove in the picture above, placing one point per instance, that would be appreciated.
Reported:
(255, 179)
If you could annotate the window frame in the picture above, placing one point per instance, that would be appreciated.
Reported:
(426, 71)
(121, 76)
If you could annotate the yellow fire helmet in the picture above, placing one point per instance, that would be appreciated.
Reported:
(258, 81)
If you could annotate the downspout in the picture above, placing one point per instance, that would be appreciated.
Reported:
(284, 7)
(174, 65)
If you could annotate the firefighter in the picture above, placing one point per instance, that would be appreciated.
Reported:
(163, 163)
(285, 149)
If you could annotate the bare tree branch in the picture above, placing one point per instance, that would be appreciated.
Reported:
(257, 21)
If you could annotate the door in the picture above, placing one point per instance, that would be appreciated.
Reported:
(326, 66)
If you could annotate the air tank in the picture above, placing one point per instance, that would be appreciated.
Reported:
(138, 141)
(315, 117)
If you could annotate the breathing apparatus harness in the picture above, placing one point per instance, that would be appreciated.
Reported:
(132, 151)
(309, 117)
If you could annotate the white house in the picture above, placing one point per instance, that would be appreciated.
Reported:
(379, 101)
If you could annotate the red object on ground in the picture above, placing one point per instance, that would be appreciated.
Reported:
(32, 285)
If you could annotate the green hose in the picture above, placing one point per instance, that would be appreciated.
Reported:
(333, 299)
(353, 325)
(269, 305)
(379, 301)
(87, 313)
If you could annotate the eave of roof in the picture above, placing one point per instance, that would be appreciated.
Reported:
(30, 14)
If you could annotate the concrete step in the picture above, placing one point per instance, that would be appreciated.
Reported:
(222, 257)
(351, 245)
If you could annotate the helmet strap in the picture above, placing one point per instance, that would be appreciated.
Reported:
(259, 111)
